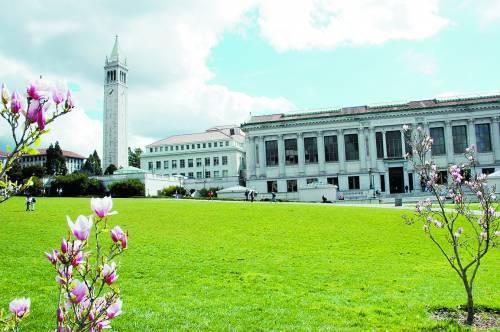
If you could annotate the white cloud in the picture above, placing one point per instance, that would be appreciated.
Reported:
(488, 10)
(421, 63)
(326, 24)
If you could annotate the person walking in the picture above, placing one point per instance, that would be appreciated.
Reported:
(246, 195)
(252, 196)
(33, 201)
(273, 195)
(28, 202)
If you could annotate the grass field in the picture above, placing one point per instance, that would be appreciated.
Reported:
(198, 265)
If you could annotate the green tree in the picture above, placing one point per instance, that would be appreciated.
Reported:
(56, 162)
(92, 165)
(134, 157)
(110, 170)
(35, 170)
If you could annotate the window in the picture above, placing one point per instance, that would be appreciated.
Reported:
(165, 164)
(174, 164)
(257, 154)
(192, 146)
(224, 160)
(171, 148)
(216, 161)
(158, 165)
(204, 145)
(207, 161)
(291, 155)
(182, 147)
(156, 149)
(351, 147)
(190, 162)
(183, 174)
(227, 143)
(382, 182)
(161, 148)
(483, 137)
(216, 174)
(209, 145)
(198, 145)
(331, 148)
(353, 182)
(291, 186)
(191, 175)
(393, 144)
(310, 150)
(410, 181)
(272, 153)
(150, 165)
(176, 148)
(438, 145)
(459, 139)
(333, 180)
(182, 163)
(207, 174)
(487, 171)
(272, 186)
(224, 173)
(198, 175)
(198, 162)
(187, 147)
(312, 180)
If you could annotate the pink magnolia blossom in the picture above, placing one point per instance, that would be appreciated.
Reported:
(77, 259)
(64, 246)
(115, 309)
(69, 104)
(58, 92)
(5, 94)
(20, 307)
(65, 275)
(117, 234)
(109, 273)
(124, 241)
(81, 228)
(36, 113)
(33, 91)
(102, 206)
(16, 103)
(78, 292)
(53, 256)
(103, 324)
(60, 315)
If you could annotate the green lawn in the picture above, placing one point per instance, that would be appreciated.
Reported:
(201, 265)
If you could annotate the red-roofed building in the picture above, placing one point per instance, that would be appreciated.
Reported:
(74, 161)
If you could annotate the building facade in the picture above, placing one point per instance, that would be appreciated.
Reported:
(74, 161)
(3, 158)
(115, 110)
(214, 158)
(361, 149)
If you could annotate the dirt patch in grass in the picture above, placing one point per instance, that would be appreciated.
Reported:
(484, 317)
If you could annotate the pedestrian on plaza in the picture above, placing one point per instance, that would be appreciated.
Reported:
(28, 202)
(246, 195)
(252, 196)
(273, 195)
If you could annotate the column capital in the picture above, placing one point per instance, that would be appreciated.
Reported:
(300, 134)
(280, 136)
(496, 119)
(320, 132)
(470, 121)
(447, 123)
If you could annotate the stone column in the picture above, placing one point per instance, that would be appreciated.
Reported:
(281, 154)
(362, 148)
(471, 131)
(300, 151)
(341, 148)
(262, 157)
(496, 137)
(403, 145)
(448, 138)
(321, 152)
(250, 158)
(385, 145)
(373, 148)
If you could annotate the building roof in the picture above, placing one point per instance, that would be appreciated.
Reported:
(116, 50)
(212, 134)
(3, 154)
(66, 153)
(412, 105)
(129, 170)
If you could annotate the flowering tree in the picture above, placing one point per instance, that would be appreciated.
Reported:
(463, 236)
(28, 123)
(88, 298)
(19, 309)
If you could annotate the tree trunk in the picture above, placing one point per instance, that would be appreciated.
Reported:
(470, 306)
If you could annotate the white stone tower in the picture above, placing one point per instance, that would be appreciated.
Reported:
(115, 149)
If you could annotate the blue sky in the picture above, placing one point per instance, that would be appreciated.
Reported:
(195, 64)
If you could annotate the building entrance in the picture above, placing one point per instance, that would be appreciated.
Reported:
(396, 180)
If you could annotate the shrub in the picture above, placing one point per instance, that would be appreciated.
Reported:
(171, 190)
(204, 191)
(127, 188)
(77, 184)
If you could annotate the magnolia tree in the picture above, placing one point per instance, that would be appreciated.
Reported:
(463, 236)
(28, 121)
(88, 298)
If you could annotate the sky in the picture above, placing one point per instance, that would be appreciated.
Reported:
(196, 63)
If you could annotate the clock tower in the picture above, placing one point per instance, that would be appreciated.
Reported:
(115, 148)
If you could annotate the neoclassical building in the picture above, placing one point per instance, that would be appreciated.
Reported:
(361, 148)
(214, 158)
